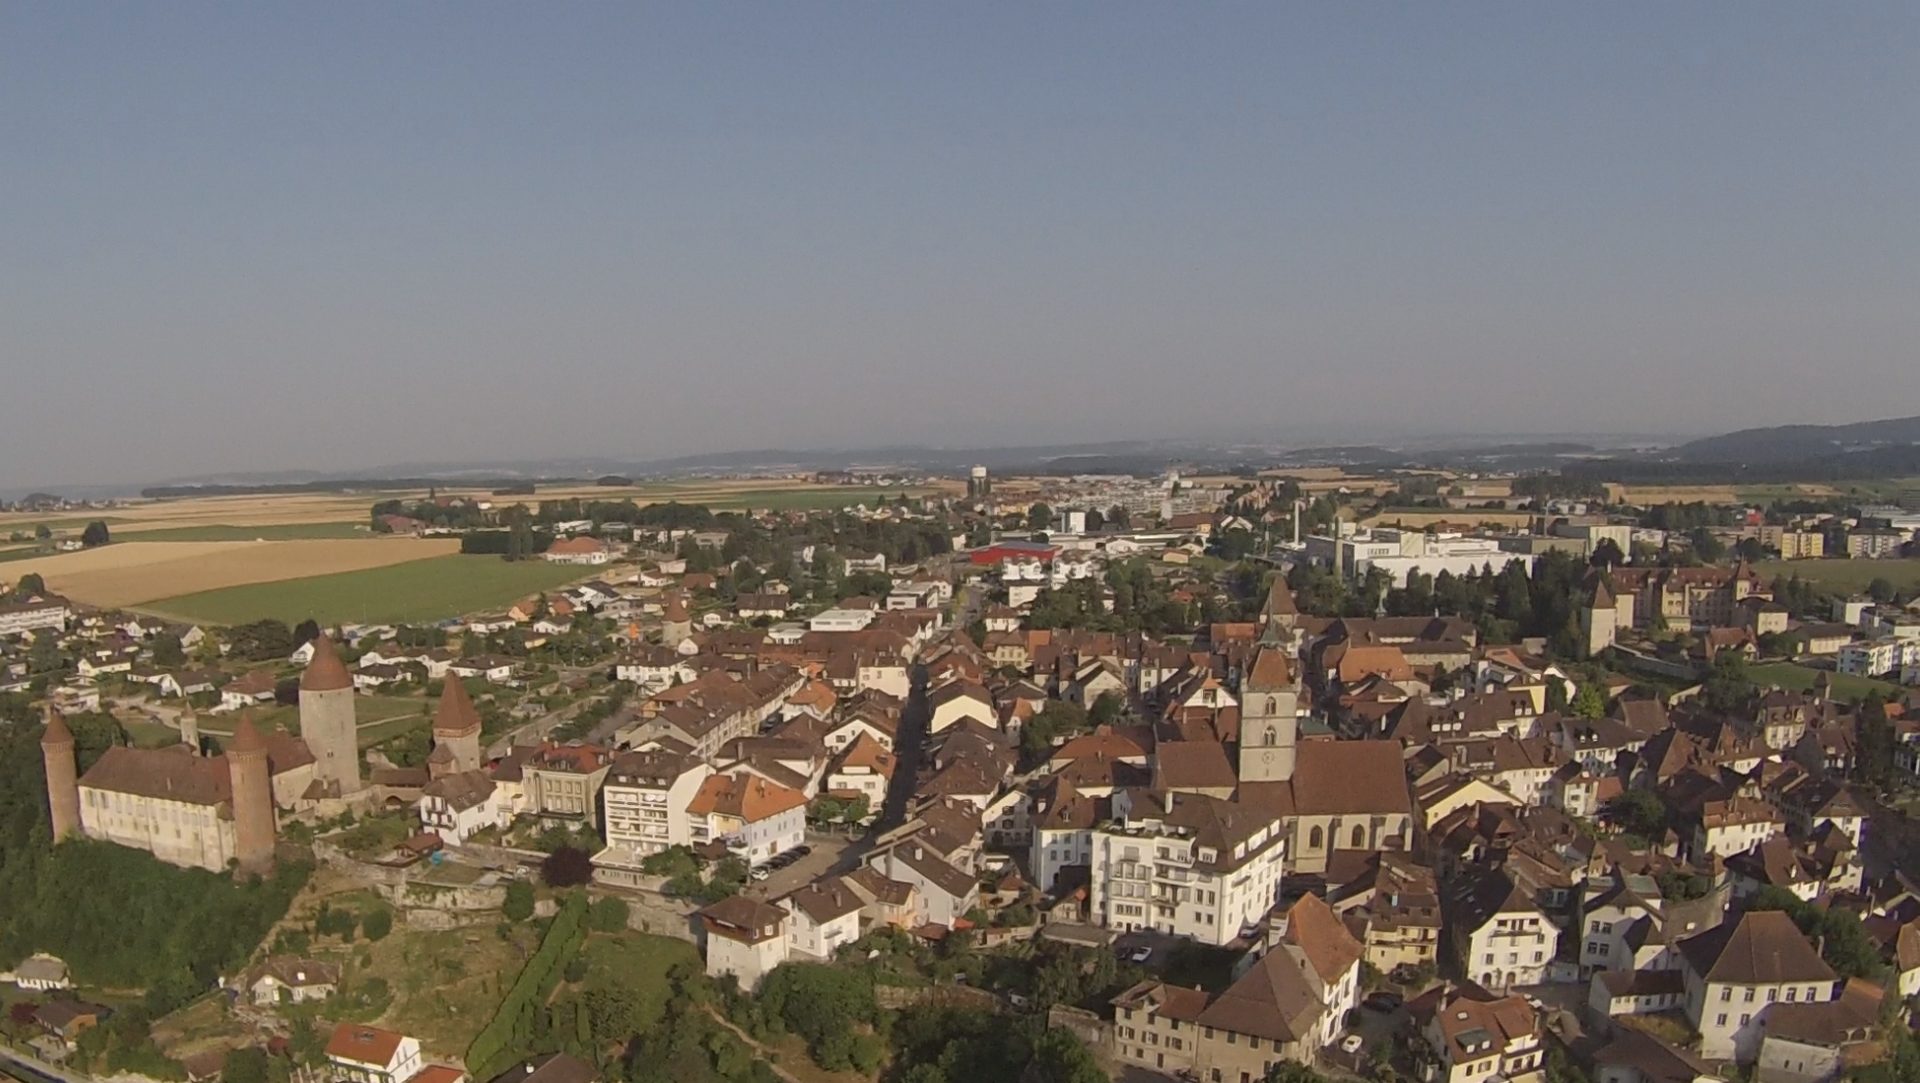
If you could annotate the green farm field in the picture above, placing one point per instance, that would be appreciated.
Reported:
(415, 592)
(275, 532)
(1850, 576)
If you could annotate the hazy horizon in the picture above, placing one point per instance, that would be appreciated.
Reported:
(283, 237)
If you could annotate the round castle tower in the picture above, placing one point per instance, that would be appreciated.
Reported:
(253, 820)
(327, 722)
(63, 776)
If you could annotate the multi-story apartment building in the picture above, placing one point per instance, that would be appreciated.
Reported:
(1874, 543)
(1877, 657)
(562, 781)
(1735, 972)
(1186, 865)
(644, 798)
(47, 611)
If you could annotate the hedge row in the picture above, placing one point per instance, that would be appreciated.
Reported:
(498, 1046)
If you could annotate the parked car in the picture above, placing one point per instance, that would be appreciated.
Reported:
(1140, 954)
(759, 872)
(1351, 1044)
(1383, 1001)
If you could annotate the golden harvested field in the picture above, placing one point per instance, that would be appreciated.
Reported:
(1418, 518)
(129, 573)
(1649, 495)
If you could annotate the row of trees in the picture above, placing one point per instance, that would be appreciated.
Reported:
(509, 1035)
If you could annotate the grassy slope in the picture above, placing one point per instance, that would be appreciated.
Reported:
(1846, 575)
(417, 592)
(1796, 678)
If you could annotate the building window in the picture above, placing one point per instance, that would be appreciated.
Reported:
(1720, 1020)
(1359, 837)
(1315, 838)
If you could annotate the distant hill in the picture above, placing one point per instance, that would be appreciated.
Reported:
(1800, 443)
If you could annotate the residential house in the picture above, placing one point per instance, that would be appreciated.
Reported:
(1470, 1036)
(1737, 971)
(756, 819)
(361, 1053)
(457, 806)
(743, 937)
(582, 550)
(286, 979)
(824, 917)
(1501, 935)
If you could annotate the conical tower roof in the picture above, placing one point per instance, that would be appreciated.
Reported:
(326, 673)
(456, 713)
(1602, 594)
(246, 736)
(57, 731)
(1279, 600)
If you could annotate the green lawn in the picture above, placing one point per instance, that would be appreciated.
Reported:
(416, 592)
(1850, 576)
(638, 962)
(1798, 678)
(280, 532)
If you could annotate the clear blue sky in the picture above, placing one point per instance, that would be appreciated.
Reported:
(328, 235)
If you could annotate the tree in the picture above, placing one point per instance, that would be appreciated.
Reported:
(244, 1066)
(1705, 546)
(95, 535)
(167, 651)
(1750, 549)
(822, 1004)
(1877, 741)
(1882, 590)
(1108, 708)
(41, 532)
(567, 866)
(1607, 554)
(28, 586)
(518, 905)
(377, 924)
(1039, 518)
(1591, 702)
(1290, 1071)
(305, 632)
(1637, 812)
(608, 914)
(1728, 688)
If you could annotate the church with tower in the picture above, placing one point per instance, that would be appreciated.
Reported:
(1270, 693)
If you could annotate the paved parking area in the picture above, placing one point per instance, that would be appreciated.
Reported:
(825, 855)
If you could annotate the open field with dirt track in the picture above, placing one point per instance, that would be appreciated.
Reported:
(129, 573)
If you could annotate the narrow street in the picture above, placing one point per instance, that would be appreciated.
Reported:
(909, 747)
